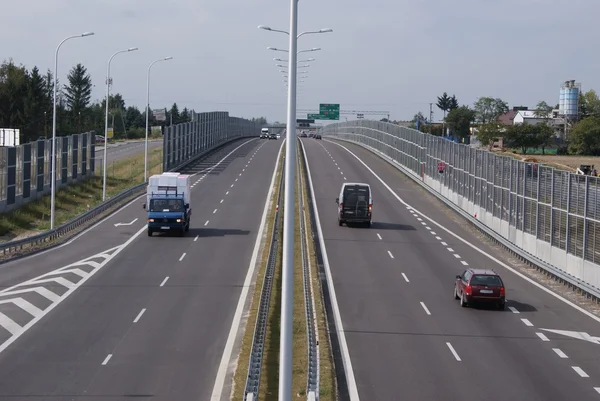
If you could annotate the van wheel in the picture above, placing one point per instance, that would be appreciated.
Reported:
(150, 232)
(187, 227)
(340, 222)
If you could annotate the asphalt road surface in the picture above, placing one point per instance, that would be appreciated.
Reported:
(122, 150)
(407, 338)
(148, 317)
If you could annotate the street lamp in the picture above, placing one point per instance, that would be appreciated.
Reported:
(287, 288)
(299, 61)
(106, 116)
(53, 184)
(148, 114)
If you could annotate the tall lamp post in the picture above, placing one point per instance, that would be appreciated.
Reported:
(53, 184)
(148, 114)
(106, 117)
(287, 290)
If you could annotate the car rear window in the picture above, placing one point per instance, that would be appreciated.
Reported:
(487, 279)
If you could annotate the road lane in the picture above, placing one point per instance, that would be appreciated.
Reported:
(105, 235)
(175, 336)
(430, 268)
(543, 308)
(121, 151)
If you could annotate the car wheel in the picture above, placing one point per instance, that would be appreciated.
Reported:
(150, 232)
(501, 305)
(456, 293)
(340, 222)
(463, 303)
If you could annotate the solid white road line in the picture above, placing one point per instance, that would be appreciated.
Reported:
(471, 245)
(580, 371)
(391, 256)
(542, 336)
(453, 352)
(560, 353)
(164, 281)
(106, 359)
(425, 307)
(182, 256)
(224, 365)
(139, 316)
(347, 362)
(405, 278)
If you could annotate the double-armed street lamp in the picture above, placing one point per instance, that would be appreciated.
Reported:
(287, 290)
(148, 114)
(53, 183)
(108, 82)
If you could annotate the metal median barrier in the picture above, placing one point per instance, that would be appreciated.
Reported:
(233, 129)
(548, 217)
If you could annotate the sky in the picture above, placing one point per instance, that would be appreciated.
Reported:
(382, 56)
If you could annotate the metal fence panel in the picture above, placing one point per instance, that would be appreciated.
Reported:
(558, 208)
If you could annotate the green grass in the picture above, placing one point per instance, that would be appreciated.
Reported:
(75, 199)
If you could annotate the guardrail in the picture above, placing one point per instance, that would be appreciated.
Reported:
(313, 377)
(30, 245)
(260, 328)
(547, 217)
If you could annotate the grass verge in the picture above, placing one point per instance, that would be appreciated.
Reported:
(239, 378)
(328, 383)
(74, 200)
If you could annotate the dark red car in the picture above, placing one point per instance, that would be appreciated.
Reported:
(480, 285)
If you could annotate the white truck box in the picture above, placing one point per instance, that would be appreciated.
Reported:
(169, 183)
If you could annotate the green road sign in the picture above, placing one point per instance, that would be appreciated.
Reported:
(329, 111)
(316, 117)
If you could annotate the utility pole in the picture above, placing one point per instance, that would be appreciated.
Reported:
(430, 118)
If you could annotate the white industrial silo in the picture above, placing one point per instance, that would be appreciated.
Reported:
(568, 103)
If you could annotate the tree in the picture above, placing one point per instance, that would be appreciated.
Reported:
(542, 110)
(489, 133)
(13, 90)
(584, 138)
(35, 106)
(444, 103)
(459, 120)
(544, 135)
(521, 136)
(79, 90)
(489, 109)
(173, 115)
(453, 103)
(590, 104)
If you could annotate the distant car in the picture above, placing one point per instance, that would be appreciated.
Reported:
(480, 285)
(278, 136)
(272, 136)
(317, 136)
(355, 204)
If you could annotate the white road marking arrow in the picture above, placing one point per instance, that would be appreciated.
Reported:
(580, 335)
(126, 224)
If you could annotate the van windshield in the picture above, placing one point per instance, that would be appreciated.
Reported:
(166, 205)
(356, 196)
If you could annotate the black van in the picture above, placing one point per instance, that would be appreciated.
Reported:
(355, 204)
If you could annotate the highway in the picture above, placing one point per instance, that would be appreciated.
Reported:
(122, 150)
(117, 315)
(407, 338)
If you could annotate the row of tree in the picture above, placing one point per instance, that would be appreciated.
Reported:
(26, 100)
(583, 134)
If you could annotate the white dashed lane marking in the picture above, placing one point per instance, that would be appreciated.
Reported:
(139, 316)
(405, 278)
(527, 323)
(205, 224)
(379, 236)
(182, 256)
(164, 281)
(391, 256)
(542, 336)
(106, 359)
(453, 352)
(513, 309)
(425, 308)
(560, 353)
(580, 371)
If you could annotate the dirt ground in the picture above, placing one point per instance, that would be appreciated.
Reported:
(563, 162)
